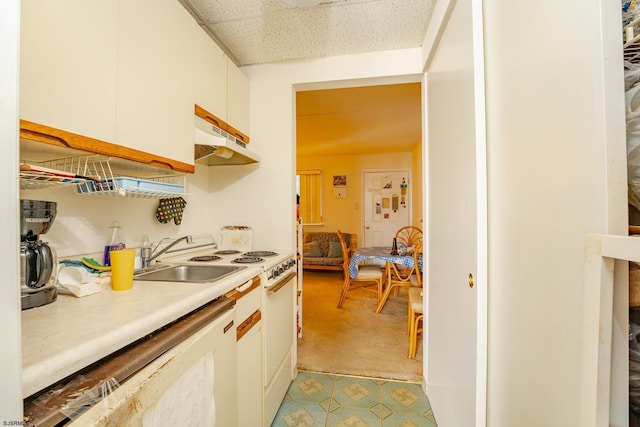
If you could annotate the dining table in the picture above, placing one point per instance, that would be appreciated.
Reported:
(382, 256)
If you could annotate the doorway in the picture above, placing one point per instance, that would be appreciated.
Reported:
(344, 133)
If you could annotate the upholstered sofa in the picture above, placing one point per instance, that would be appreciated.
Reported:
(322, 251)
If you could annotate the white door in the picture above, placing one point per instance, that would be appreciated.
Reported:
(386, 205)
(456, 232)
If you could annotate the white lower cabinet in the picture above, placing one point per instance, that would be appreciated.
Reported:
(192, 384)
(250, 378)
(249, 362)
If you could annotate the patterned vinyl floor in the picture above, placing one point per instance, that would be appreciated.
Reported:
(316, 399)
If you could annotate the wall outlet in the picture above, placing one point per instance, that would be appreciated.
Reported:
(356, 206)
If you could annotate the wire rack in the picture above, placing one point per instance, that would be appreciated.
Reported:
(54, 173)
(94, 176)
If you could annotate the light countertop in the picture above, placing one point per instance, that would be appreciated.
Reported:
(69, 334)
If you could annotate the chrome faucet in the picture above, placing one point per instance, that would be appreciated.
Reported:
(147, 254)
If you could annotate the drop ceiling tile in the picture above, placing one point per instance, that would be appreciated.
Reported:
(258, 31)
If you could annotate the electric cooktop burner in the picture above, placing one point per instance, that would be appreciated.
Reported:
(247, 260)
(227, 252)
(260, 253)
(205, 258)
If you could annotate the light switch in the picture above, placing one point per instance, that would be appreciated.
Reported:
(356, 206)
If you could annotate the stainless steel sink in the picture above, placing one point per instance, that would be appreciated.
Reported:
(186, 273)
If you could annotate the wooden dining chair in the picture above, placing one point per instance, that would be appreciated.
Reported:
(418, 261)
(401, 276)
(415, 319)
(409, 236)
(368, 275)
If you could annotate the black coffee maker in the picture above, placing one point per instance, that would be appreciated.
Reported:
(37, 260)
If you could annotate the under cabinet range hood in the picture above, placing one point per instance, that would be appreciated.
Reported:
(214, 146)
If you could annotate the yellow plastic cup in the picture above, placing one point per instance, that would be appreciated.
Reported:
(122, 269)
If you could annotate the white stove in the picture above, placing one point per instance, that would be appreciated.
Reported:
(275, 264)
(277, 277)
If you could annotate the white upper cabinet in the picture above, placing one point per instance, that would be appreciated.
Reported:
(210, 75)
(127, 73)
(155, 61)
(68, 63)
(237, 98)
(222, 89)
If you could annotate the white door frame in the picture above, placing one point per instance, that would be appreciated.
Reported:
(482, 215)
(11, 367)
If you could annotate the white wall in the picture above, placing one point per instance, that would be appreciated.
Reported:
(273, 129)
(347, 214)
(556, 172)
(10, 362)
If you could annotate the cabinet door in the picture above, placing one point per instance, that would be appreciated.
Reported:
(176, 388)
(154, 105)
(237, 98)
(250, 387)
(67, 65)
(210, 75)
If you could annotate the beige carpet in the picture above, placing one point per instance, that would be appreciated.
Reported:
(354, 340)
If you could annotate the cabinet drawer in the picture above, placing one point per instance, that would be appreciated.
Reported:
(248, 299)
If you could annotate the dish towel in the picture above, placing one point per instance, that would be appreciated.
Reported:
(170, 209)
(77, 281)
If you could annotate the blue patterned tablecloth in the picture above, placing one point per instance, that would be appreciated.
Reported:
(378, 253)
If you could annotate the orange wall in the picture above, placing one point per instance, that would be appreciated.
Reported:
(346, 214)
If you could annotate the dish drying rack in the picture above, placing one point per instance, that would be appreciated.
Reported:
(94, 176)
(55, 173)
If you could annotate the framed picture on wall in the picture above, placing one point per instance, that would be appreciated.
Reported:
(340, 180)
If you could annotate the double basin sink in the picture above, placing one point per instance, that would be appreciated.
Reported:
(185, 273)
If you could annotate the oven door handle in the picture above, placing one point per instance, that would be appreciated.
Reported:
(275, 288)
